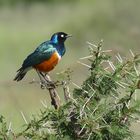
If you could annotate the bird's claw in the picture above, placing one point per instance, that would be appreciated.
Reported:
(48, 84)
(42, 85)
(51, 84)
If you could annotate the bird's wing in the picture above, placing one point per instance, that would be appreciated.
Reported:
(42, 53)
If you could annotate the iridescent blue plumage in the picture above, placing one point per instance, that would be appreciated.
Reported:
(43, 53)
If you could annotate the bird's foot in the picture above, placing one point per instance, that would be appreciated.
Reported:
(51, 84)
(48, 84)
(42, 85)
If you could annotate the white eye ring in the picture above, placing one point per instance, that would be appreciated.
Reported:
(62, 35)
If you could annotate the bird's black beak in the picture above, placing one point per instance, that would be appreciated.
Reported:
(68, 36)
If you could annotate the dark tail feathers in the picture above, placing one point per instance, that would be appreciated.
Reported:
(20, 75)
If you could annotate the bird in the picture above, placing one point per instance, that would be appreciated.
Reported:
(45, 57)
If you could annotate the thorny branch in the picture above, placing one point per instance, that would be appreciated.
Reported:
(55, 99)
(47, 83)
(95, 116)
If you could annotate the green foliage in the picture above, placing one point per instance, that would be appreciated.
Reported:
(103, 108)
(5, 131)
(28, 2)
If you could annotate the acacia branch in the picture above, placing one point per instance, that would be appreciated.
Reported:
(55, 99)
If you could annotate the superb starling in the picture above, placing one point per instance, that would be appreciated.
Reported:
(45, 57)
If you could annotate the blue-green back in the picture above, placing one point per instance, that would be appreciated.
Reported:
(42, 53)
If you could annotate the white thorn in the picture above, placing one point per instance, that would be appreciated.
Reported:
(90, 47)
(95, 84)
(132, 53)
(23, 116)
(127, 104)
(91, 87)
(106, 51)
(106, 69)
(115, 97)
(43, 103)
(102, 127)
(86, 57)
(45, 124)
(130, 73)
(91, 44)
(136, 70)
(58, 97)
(124, 83)
(89, 136)
(82, 110)
(114, 89)
(120, 57)
(9, 128)
(83, 64)
(95, 109)
(119, 111)
(104, 120)
(82, 129)
(111, 65)
(120, 84)
(135, 96)
(79, 87)
(98, 118)
(102, 61)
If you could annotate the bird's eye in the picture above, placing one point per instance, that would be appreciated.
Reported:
(62, 35)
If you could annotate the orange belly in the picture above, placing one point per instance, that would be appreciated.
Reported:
(48, 65)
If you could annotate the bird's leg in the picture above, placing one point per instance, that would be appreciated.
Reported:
(44, 76)
(42, 82)
(47, 79)
(52, 83)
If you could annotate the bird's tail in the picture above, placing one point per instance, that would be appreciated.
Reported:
(20, 75)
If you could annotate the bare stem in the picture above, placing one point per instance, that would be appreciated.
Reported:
(55, 99)
(66, 91)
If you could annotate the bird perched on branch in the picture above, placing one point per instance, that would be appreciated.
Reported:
(45, 57)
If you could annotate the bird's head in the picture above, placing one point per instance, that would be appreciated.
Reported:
(59, 37)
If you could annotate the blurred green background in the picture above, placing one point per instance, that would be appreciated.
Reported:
(24, 24)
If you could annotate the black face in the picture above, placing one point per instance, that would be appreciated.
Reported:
(59, 37)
